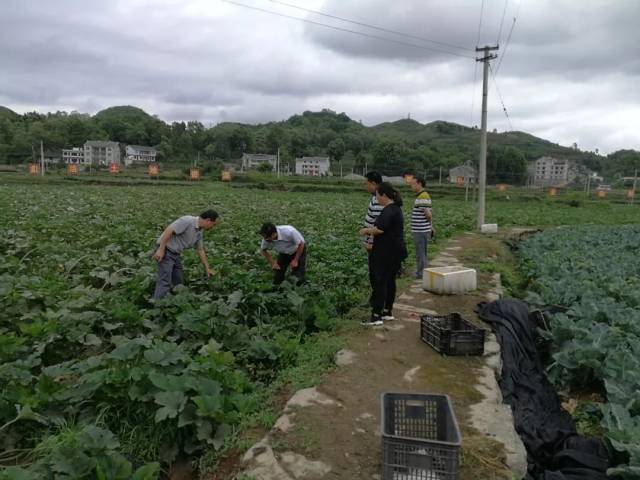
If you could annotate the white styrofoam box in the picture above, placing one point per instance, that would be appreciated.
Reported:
(489, 228)
(449, 280)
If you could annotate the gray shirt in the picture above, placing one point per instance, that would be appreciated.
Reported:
(186, 234)
(287, 242)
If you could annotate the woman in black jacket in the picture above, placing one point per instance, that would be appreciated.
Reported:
(389, 250)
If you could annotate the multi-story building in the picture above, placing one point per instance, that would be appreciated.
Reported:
(549, 171)
(254, 160)
(312, 166)
(73, 155)
(139, 154)
(98, 152)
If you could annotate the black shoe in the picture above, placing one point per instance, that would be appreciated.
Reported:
(387, 316)
(374, 321)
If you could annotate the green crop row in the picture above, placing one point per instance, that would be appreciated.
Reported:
(591, 276)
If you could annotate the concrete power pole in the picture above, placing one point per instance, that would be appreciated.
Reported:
(635, 180)
(41, 158)
(482, 174)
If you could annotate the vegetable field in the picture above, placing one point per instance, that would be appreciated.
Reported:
(592, 275)
(97, 382)
(95, 378)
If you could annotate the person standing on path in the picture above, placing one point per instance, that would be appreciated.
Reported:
(421, 216)
(289, 243)
(185, 232)
(372, 180)
(388, 252)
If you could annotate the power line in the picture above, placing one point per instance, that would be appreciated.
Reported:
(508, 38)
(374, 27)
(473, 93)
(475, 70)
(340, 29)
(504, 11)
(480, 23)
(504, 109)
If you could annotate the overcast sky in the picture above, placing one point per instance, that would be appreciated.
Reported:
(571, 72)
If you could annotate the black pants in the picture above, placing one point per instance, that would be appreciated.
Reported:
(383, 283)
(284, 260)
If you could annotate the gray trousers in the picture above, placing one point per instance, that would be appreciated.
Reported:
(169, 273)
(420, 240)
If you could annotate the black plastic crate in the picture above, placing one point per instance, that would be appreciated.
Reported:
(452, 334)
(420, 437)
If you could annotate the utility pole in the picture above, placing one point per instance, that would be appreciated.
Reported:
(440, 177)
(41, 158)
(482, 176)
(588, 184)
(278, 163)
(635, 180)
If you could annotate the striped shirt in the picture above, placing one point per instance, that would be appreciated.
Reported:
(419, 222)
(369, 219)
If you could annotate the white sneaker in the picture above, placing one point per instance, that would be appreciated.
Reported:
(387, 316)
(374, 321)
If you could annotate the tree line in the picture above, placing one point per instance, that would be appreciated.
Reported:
(392, 148)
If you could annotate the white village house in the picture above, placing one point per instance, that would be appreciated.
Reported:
(73, 155)
(312, 166)
(464, 174)
(139, 154)
(549, 171)
(97, 152)
(253, 160)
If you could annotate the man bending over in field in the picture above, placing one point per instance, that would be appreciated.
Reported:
(185, 232)
(289, 244)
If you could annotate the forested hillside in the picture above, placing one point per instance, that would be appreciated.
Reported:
(390, 147)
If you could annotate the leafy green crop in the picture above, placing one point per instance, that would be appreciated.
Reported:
(594, 273)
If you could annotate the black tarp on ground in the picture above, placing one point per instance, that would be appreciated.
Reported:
(555, 450)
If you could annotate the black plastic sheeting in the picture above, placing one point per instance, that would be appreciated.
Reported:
(555, 451)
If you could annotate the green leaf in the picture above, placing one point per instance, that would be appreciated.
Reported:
(113, 466)
(172, 383)
(172, 404)
(95, 438)
(92, 340)
(222, 433)
(72, 462)
(125, 351)
(150, 471)
(17, 473)
(164, 353)
(208, 405)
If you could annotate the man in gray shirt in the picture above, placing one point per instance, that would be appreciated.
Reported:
(185, 232)
(289, 244)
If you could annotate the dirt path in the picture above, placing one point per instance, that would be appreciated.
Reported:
(332, 431)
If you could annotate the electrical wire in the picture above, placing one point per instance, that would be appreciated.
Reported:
(504, 108)
(480, 23)
(340, 29)
(473, 93)
(506, 46)
(374, 27)
(504, 11)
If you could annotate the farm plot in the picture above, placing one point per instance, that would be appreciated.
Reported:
(592, 275)
(96, 379)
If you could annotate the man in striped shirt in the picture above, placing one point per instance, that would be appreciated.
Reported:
(421, 224)
(372, 180)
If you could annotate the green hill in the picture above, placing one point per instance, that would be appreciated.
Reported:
(125, 113)
(7, 113)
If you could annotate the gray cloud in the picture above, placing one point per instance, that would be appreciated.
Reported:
(570, 72)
